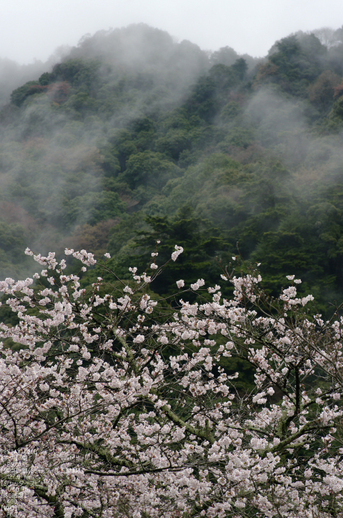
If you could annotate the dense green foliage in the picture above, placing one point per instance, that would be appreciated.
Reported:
(133, 138)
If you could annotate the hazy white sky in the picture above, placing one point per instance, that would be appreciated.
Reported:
(33, 29)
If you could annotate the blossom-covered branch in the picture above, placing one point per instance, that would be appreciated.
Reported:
(110, 408)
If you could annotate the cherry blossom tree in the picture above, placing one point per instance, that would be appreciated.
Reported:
(113, 404)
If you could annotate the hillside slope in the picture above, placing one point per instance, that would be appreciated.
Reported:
(133, 132)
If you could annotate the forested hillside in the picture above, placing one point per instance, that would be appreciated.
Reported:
(134, 138)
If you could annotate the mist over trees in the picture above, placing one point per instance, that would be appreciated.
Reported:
(13, 75)
(132, 134)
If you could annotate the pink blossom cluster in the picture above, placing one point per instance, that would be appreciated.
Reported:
(111, 407)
